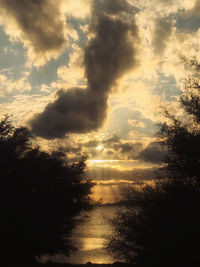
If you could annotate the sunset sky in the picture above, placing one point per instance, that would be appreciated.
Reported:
(91, 76)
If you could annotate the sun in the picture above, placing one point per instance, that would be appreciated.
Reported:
(99, 147)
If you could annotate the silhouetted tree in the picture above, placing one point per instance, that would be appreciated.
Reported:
(159, 226)
(40, 196)
(161, 222)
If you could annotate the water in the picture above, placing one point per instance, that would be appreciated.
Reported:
(91, 235)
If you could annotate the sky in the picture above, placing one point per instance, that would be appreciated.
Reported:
(93, 76)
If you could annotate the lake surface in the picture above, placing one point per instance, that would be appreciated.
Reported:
(91, 235)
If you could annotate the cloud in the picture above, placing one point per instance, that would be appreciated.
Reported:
(39, 24)
(194, 10)
(162, 31)
(110, 52)
(78, 8)
(74, 111)
(188, 20)
(21, 106)
(111, 140)
(106, 173)
(114, 183)
(127, 147)
(73, 73)
(155, 152)
(111, 148)
(10, 86)
(91, 143)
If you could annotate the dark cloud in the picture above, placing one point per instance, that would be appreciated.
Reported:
(116, 144)
(188, 20)
(126, 147)
(161, 34)
(108, 55)
(118, 6)
(110, 152)
(39, 21)
(155, 153)
(130, 147)
(91, 143)
(75, 111)
(196, 8)
(71, 149)
(114, 139)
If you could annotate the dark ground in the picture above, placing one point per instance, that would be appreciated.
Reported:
(74, 265)
(92, 265)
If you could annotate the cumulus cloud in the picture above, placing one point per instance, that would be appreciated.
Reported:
(110, 52)
(71, 75)
(21, 106)
(74, 110)
(39, 24)
(78, 8)
(10, 86)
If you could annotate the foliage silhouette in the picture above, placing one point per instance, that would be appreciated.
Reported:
(160, 225)
(40, 196)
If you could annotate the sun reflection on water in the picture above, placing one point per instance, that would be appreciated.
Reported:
(90, 237)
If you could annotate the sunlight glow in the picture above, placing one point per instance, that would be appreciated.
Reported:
(99, 147)
(108, 162)
(119, 164)
(92, 242)
(96, 161)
